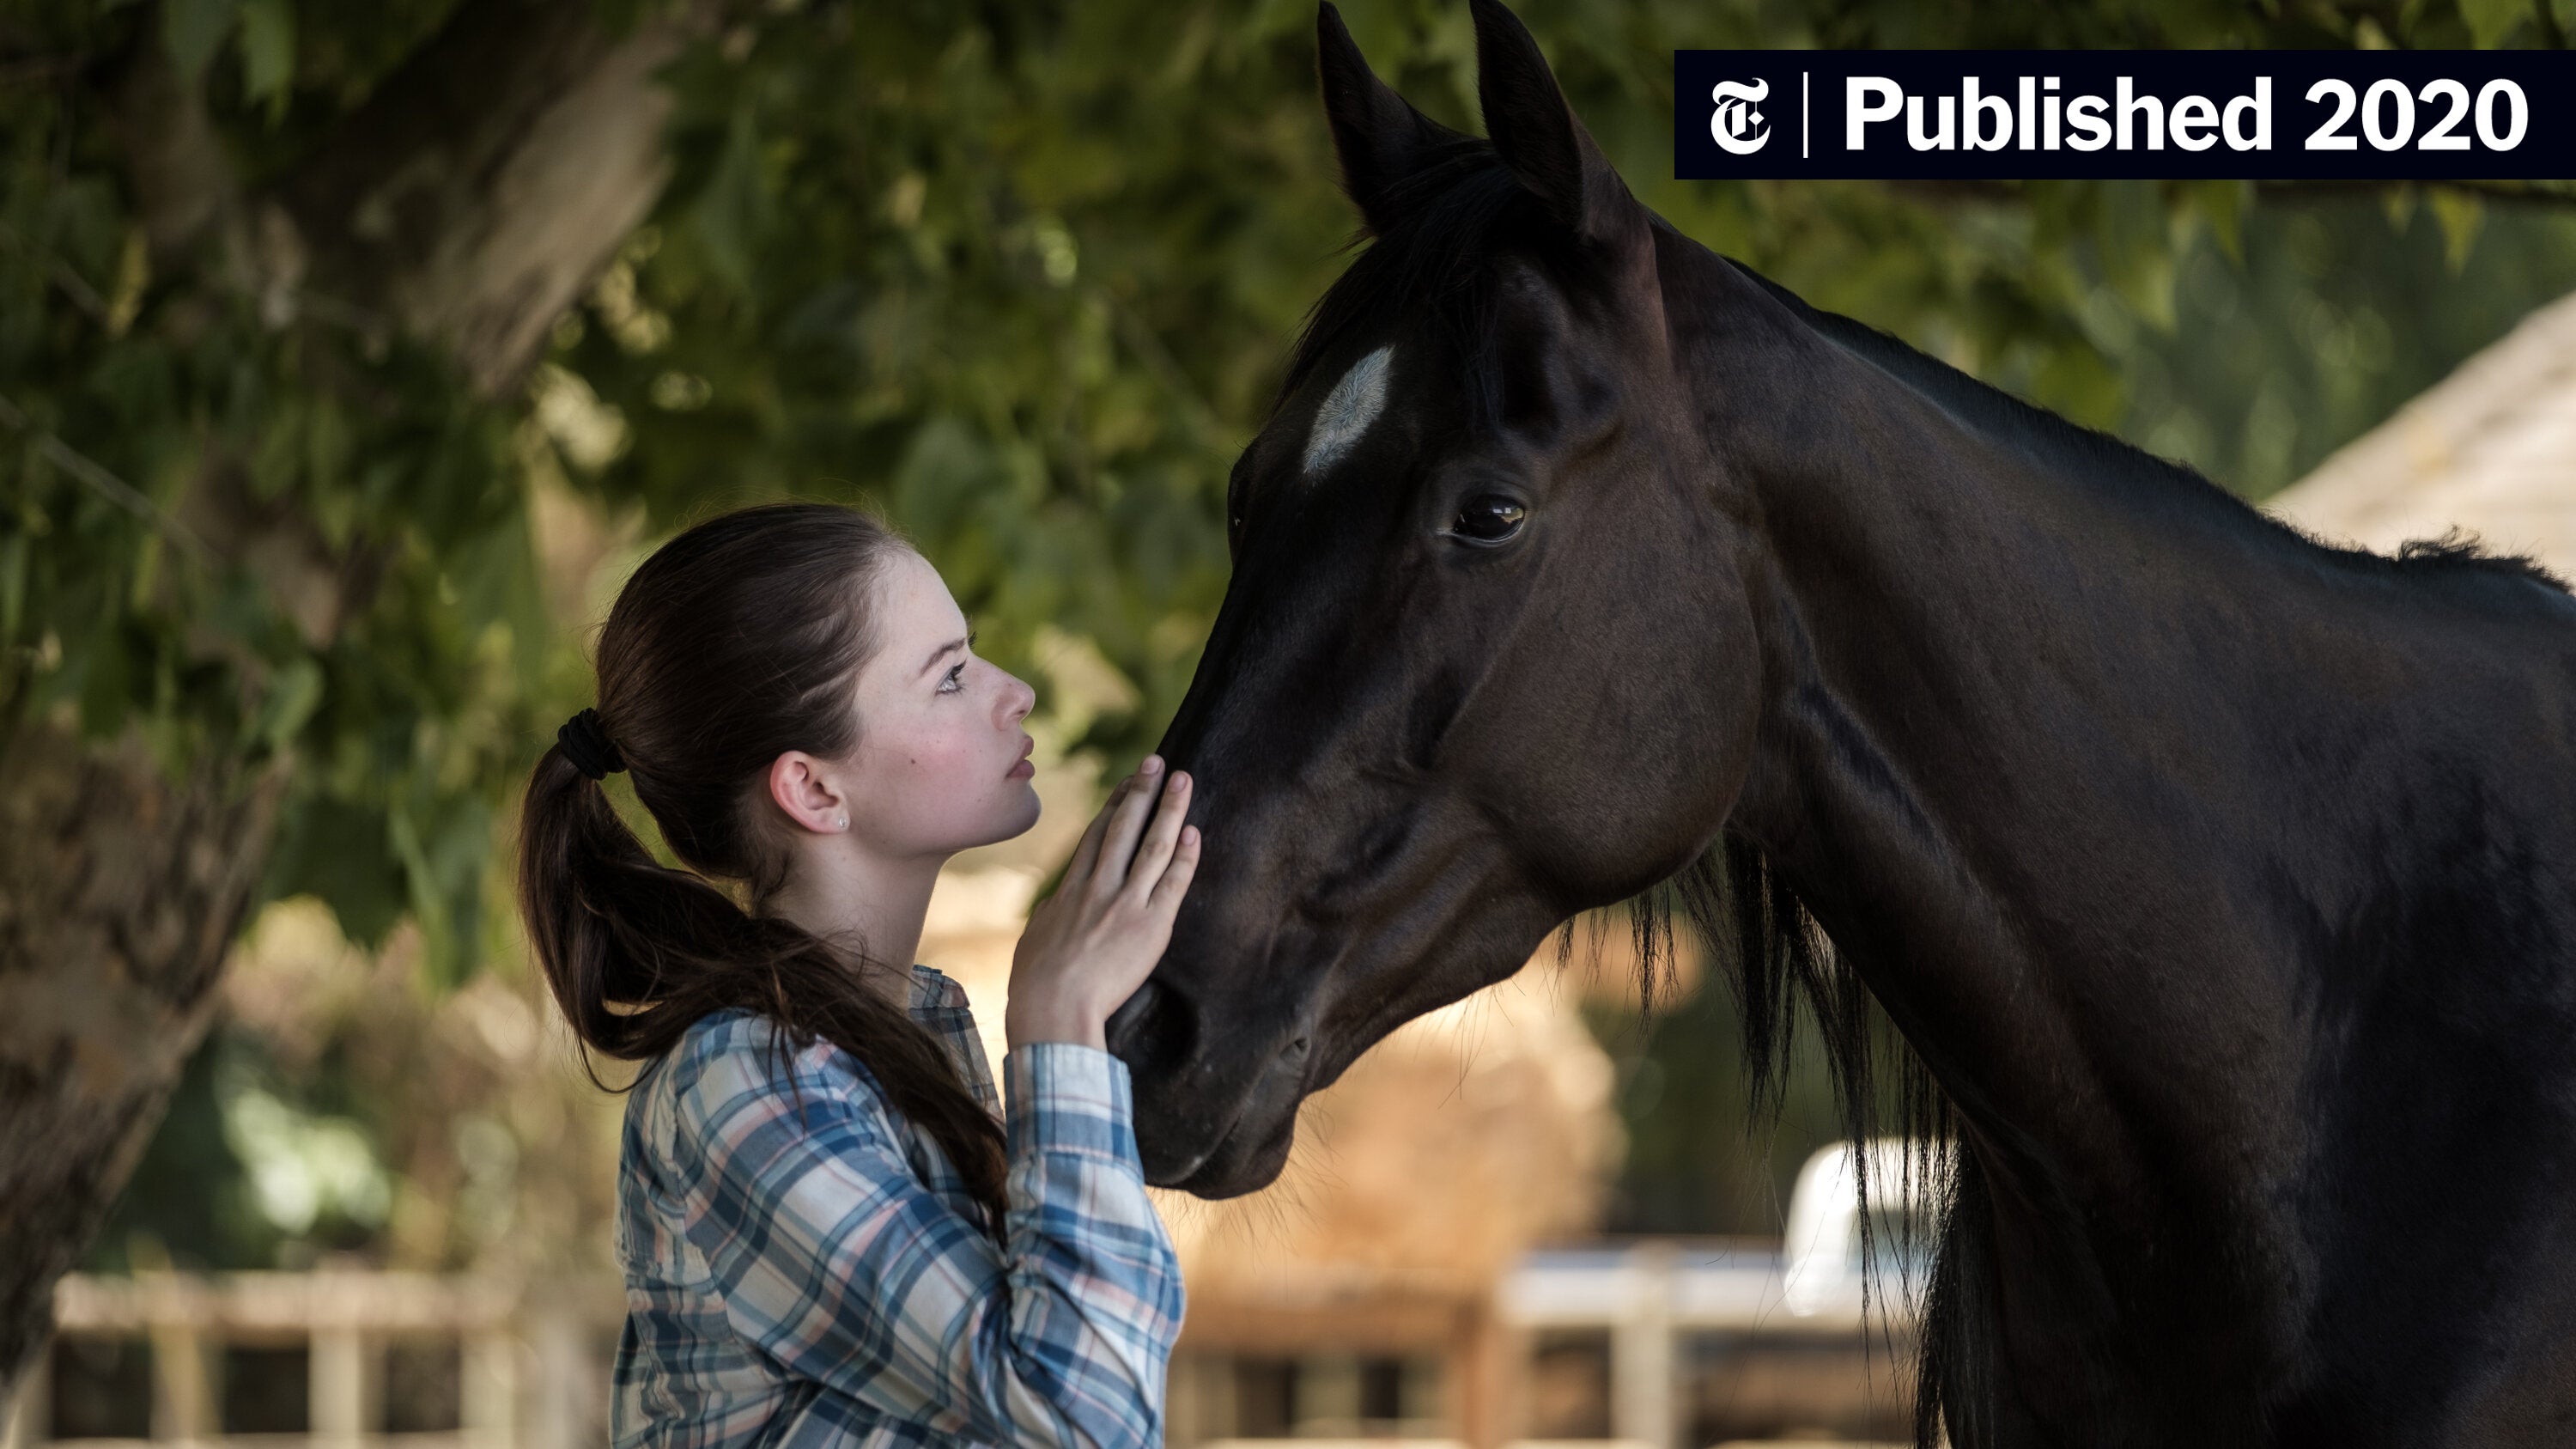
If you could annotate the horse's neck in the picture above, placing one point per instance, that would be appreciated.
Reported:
(2149, 824)
(2009, 756)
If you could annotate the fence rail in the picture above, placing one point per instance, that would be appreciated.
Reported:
(527, 1355)
(529, 1365)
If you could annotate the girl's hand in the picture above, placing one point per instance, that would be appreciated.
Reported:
(1092, 943)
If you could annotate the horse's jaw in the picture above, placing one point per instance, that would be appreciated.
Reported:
(1217, 1091)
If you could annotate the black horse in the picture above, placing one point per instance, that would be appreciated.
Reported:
(2224, 882)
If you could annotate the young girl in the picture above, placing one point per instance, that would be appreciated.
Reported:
(831, 1233)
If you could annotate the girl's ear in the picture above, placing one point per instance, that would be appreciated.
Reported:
(798, 787)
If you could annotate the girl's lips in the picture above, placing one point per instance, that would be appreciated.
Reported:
(1023, 770)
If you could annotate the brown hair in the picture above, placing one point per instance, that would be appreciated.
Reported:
(736, 641)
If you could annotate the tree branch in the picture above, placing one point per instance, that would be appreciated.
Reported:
(116, 490)
(184, 183)
(482, 187)
(469, 201)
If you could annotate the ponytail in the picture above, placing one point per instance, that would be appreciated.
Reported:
(733, 643)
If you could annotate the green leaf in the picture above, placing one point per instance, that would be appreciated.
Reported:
(280, 455)
(327, 447)
(193, 29)
(2490, 21)
(2076, 382)
(110, 682)
(442, 844)
(2136, 256)
(293, 694)
(13, 588)
(2460, 216)
(730, 212)
(337, 850)
(268, 53)
(2222, 204)
(2397, 203)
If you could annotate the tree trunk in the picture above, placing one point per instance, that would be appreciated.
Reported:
(483, 186)
(119, 894)
(470, 200)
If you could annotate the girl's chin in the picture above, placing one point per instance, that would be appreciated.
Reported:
(1025, 809)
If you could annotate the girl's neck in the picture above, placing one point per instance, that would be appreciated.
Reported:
(863, 903)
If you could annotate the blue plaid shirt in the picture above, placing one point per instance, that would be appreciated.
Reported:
(793, 1286)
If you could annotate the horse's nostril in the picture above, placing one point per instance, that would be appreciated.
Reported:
(1121, 1028)
(1296, 1050)
(1150, 1030)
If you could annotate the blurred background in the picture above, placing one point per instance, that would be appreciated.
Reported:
(351, 355)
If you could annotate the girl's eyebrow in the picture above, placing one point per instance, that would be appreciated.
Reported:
(943, 651)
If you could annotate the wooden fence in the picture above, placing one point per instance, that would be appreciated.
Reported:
(527, 1362)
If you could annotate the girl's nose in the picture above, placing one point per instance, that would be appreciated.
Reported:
(1017, 699)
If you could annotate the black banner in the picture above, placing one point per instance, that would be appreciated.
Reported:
(2366, 115)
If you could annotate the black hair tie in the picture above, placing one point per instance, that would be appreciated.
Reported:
(586, 745)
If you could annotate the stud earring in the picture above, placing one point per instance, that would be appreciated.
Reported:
(843, 822)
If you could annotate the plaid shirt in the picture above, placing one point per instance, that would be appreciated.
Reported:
(796, 1286)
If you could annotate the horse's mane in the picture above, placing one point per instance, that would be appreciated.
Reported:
(2091, 453)
(1779, 965)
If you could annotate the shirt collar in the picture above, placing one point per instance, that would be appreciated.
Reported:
(934, 994)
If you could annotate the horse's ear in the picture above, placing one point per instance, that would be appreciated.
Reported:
(1379, 136)
(1537, 135)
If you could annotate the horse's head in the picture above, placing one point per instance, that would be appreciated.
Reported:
(1486, 657)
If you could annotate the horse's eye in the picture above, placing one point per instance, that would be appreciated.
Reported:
(1488, 518)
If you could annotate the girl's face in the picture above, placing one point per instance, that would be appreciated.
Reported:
(941, 764)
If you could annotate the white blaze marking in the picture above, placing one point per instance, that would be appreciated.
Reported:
(1348, 409)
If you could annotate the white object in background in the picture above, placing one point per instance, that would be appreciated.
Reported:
(1820, 1243)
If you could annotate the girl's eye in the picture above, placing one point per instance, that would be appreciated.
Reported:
(949, 683)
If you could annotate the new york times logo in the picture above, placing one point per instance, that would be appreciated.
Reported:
(1734, 124)
(2019, 115)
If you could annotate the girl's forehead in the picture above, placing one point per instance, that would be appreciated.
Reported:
(912, 593)
(914, 615)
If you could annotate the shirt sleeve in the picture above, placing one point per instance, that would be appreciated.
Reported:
(834, 1260)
